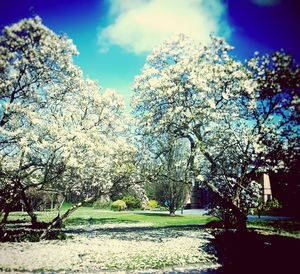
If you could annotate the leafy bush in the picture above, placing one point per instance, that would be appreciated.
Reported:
(132, 202)
(273, 204)
(88, 204)
(118, 205)
(153, 204)
(225, 216)
(271, 207)
(100, 204)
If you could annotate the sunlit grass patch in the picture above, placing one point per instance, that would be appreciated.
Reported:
(90, 216)
(282, 227)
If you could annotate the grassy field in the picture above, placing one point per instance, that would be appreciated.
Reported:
(89, 215)
(279, 227)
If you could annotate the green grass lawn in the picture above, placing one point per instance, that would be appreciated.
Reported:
(281, 227)
(89, 215)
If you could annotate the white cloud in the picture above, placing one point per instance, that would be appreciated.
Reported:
(140, 25)
(265, 2)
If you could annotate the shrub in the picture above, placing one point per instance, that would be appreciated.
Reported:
(132, 202)
(118, 205)
(88, 204)
(271, 207)
(100, 204)
(273, 204)
(153, 204)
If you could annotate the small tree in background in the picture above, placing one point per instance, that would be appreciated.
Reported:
(168, 182)
(171, 194)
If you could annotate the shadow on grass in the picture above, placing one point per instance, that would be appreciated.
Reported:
(96, 221)
(166, 214)
(256, 253)
(18, 221)
(278, 225)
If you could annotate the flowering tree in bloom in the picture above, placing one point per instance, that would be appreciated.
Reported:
(35, 69)
(234, 128)
(95, 149)
(57, 130)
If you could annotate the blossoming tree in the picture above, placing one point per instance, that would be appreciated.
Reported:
(57, 130)
(34, 67)
(221, 106)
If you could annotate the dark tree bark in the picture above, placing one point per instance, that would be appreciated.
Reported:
(29, 209)
(58, 220)
(5, 217)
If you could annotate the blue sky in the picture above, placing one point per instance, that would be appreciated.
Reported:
(115, 36)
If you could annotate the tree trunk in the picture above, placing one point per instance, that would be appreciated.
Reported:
(4, 219)
(172, 213)
(171, 209)
(29, 209)
(58, 220)
(241, 218)
(51, 200)
(7, 207)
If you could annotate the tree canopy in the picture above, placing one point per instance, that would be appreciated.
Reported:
(59, 131)
(240, 119)
(200, 115)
